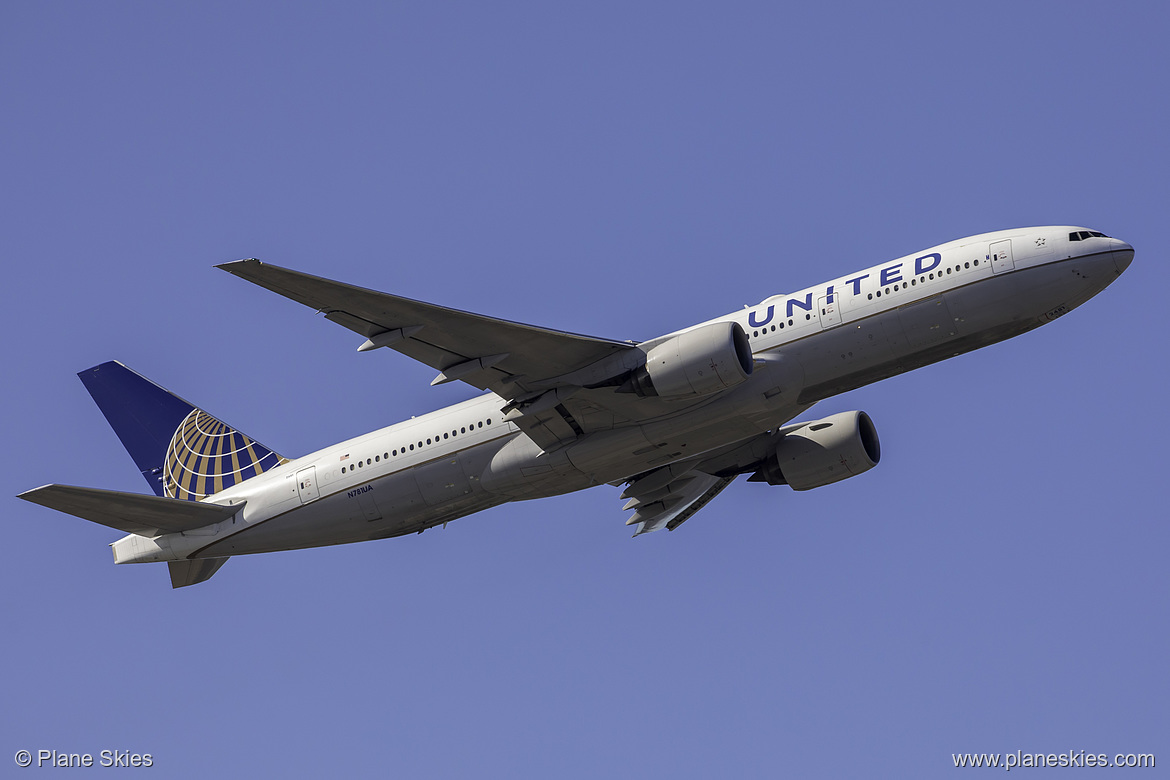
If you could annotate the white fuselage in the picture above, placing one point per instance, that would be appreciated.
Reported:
(807, 345)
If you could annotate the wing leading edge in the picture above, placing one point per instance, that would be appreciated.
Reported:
(509, 358)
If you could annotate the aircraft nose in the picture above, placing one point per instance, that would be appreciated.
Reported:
(1122, 254)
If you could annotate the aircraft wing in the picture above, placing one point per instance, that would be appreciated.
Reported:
(488, 353)
(661, 499)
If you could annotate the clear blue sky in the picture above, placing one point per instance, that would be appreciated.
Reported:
(998, 583)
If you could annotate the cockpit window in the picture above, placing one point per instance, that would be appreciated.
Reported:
(1081, 235)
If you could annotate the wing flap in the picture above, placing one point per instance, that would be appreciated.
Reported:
(132, 513)
(655, 509)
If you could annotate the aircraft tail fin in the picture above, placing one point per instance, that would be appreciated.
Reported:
(181, 450)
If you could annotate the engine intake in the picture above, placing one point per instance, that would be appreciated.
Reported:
(700, 361)
(822, 452)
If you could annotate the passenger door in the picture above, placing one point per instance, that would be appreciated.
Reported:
(307, 485)
(829, 307)
(1001, 256)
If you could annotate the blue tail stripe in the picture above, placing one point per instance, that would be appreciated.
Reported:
(143, 414)
(182, 451)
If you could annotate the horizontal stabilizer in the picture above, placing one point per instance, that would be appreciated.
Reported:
(193, 572)
(132, 513)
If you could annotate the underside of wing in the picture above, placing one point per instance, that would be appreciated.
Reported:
(509, 358)
(662, 500)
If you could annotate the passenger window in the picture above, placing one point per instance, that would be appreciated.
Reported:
(489, 421)
(377, 458)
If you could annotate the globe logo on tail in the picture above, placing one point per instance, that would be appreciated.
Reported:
(206, 456)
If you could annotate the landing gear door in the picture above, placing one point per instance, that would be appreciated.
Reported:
(307, 485)
(1001, 256)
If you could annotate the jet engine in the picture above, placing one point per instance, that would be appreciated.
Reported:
(700, 361)
(822, 452)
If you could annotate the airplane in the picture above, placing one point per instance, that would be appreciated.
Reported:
(673, 420)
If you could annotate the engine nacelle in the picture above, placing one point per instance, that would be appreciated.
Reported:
(700, 361)
(822, 452)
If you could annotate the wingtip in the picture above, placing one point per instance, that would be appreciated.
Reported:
(236, 265)
(28, 494)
